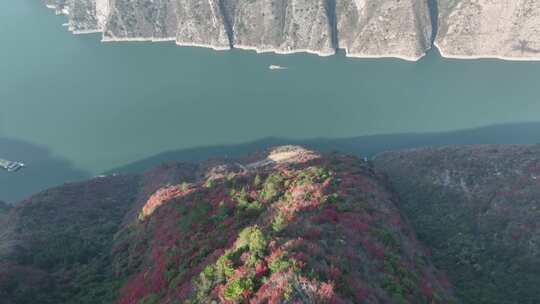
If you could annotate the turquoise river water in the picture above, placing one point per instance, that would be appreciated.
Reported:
(72, 107)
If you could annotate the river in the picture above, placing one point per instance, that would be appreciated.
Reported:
(72, 107)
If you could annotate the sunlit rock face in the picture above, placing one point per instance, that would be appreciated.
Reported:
(282, 26)
(371, 28)
(487, 28)
(202, 23)
(363, 28)
(141, 20)
(376, 28)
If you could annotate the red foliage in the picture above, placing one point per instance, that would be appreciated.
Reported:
(534, 168)
(334, 274)
(305, 208)
(359, 226)
(313, 233)
(395, 220)
(162, 196)
(375, 250)
(261, 269)
(326, 291)
(273, 290)
(426, 289)
(443, 279)
(328, 215)
(134, 290)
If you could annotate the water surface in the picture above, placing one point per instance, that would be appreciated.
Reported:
(94, 107)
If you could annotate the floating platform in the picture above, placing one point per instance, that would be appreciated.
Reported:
(10, 166)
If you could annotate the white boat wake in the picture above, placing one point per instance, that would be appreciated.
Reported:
(277, 67)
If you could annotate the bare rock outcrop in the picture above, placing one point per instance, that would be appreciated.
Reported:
(202, 24)
(371, 28)
(363, 28)
(384, 28)
(282, 26)
(487, 28)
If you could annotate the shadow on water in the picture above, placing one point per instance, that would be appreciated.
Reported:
(365, 146)
(43, 170)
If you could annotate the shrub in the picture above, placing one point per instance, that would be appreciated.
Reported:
(224, 268)
(257, 182)
(205, 282)
(282, 264)
(272, 187)
(279, 222)
(237, 288)
(253, 239)
(314, 175)
(196, 214)
(150, 299)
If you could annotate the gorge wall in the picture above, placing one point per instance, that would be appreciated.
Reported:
(363, 28)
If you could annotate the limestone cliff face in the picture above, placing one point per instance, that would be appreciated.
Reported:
(202, 24)
(283, 26)
(376, 28)
(141, 20)
(371, 28)
(487, 28)
(363, 28)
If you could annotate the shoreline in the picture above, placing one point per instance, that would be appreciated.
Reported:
(278, 51)
(384, 56)
(268, 50)
(282, 52)
(202, 45)
(486, 56)
(136, 39)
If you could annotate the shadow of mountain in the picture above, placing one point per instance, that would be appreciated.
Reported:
(43, 170)
(366, 146)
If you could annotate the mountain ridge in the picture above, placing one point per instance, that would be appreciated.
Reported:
(332, 228)
(224, 230)
(477, 207)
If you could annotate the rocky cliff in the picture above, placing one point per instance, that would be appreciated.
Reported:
(371, 28)
(363, 28)
(283, 226)
(478, 208)
(486, 28)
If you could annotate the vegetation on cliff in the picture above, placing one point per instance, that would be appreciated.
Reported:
(323, 230)
(478, 208)
(285, 226)
(56, 246)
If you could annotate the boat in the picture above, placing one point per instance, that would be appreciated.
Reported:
(11, 166)
(277, 67)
